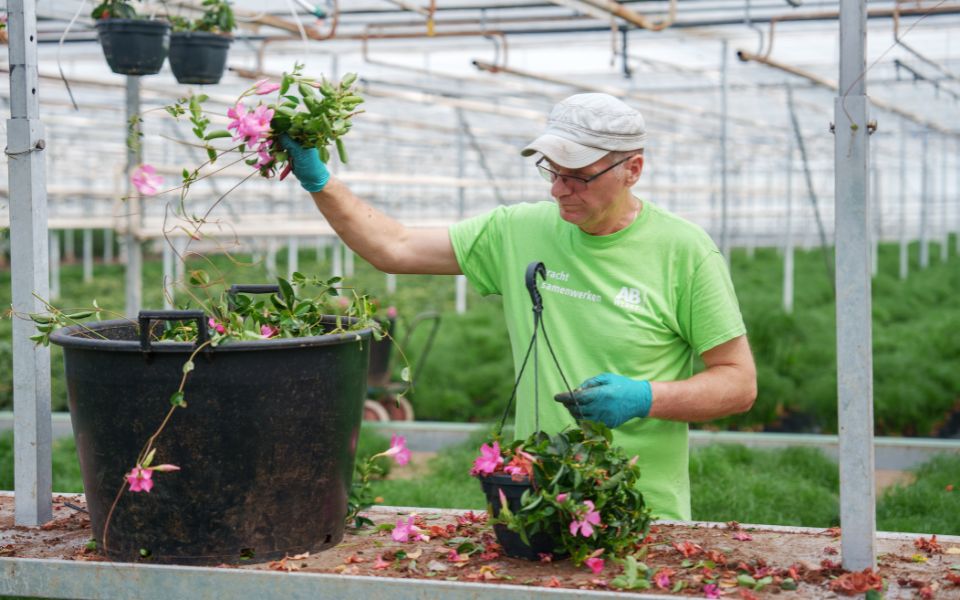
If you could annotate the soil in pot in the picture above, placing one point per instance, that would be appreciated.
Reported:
(134, 46)
(541, 543)
(198, 57)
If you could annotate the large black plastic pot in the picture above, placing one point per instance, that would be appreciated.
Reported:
(513, 545)
(266, 444)
(379, 373)
(134, 46)
(198, 56)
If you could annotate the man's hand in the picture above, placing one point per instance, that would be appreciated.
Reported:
(307, 166)
(609, 399)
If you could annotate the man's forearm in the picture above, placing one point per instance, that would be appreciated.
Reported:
(719, 391)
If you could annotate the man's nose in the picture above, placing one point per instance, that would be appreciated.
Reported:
(560, 186)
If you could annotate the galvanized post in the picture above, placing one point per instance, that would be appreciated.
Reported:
(391, 283)
(87, 255)
(348, 256)
(337, 253)
(724, 89)
(69, 246)
(854, 335)
(875, 209)
(271, 259)
(168, 277)
(32, 471)
(944, 222)
(788, 248)
(107, 246)
(133, 273)
(904, 248)
(461, 299)
(924, 202)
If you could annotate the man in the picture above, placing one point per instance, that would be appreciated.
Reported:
(632, 292)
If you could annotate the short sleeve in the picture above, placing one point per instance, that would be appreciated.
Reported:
(708, 311)
(477, 243)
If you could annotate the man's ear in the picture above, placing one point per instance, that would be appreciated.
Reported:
(634, 168)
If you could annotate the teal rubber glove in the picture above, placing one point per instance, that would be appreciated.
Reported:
(609, 399)
(307, 166)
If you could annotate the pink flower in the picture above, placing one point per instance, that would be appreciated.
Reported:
(407, 532)
(662, 578)
(398, 450)
(742, 537)
(216, 325)
(488, 461)
(268, 331)
(380, 563)
(140, 479)
(561, 497)
(250, 125)
(595, 564)
(591, 517)
(164, 468)
(711, 591)
(146, 180)
(264, 86)
(391, 312)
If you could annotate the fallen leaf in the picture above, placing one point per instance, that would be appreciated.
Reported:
(918, 558)
(379, 563)
(300, 556)
(553, 582)
(415, 554)
(688, 549)
(742, 537)
(436, 565)
(930, 546)
(353, 558)
(953, 550)
(860, 582)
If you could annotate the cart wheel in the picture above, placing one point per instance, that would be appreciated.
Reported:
(373, 411)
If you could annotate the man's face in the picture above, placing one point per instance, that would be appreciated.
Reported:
(588, 204)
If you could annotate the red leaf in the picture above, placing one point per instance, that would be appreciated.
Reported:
(953, 578)
(688, 549)
(857, 582)
(930, 546)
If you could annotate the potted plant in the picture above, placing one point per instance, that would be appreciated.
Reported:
(568, 493)
(131, 45)
(198, 49)
(261, 462)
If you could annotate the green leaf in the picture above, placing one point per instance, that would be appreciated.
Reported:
(91, 544)
(177, 400)
(788, 584)
(219, 133)
(148, 460)
(873, 595)
(287, 290)
(187, 367)
(745, 580)
(83, 314)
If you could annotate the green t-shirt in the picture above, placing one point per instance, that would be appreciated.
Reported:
(639, 302)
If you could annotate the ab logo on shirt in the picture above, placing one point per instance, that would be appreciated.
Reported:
(630, 298)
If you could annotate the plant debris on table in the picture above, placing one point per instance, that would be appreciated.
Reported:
(694, 560)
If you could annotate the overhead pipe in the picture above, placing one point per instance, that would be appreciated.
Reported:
(896, 37)
(635, 18)
(832, 85)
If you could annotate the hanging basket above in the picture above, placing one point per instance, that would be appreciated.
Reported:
(198, 57)
(134, 46)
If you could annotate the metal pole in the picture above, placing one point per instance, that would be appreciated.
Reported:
(854, 335)
(874, 231)
(924, 202)
(461, 301)
(904, 248)
(168, 276)
(133, 274)
(87, 255)
(337, 252)
(788, 248)
(107, 246)
(32, 470)
(391, 283)
(54, 265)
(348, 261)
(293, 255)
(724, 89)
(944, 223)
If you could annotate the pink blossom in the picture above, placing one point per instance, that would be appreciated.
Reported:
(561, 497)
(488, 461)
(391, 312)
(407, 532)
(595, 564)
(591, 517)
(711, 591)
(216, 325)
(250, 125)
(164, 468)
(742, 537)
(264, 158)
(140, 479)
(146, 180)
(268, 331)
(662, 578)
(398, 450)
(265, 86)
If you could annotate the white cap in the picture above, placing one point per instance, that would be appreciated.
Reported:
(586, 127)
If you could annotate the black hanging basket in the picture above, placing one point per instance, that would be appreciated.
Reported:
(134, 46)
(266, 445)
(198, 57)
(513, 545)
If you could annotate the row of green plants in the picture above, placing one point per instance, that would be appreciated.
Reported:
(468, 373)
(792, 486)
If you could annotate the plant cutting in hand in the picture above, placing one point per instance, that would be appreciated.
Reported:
(583, 492)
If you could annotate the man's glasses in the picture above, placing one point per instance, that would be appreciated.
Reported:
(551, 176)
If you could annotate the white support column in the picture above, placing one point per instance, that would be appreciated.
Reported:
(874, 231)
(69, 246)
(788, 238)
(87, 255)
(944, 222)
(293, 255)
(54, 265)
(391, 283)
(904, 247)
(133, 273)
(724, 221)
(271, 259)
(925, 203)
(461, 301)
(32, 470)
(348, 256)
(169, 258)
(336, 250)
(854, 333)
(321, 249)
